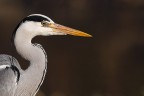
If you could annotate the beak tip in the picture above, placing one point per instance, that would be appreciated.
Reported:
(89, 36)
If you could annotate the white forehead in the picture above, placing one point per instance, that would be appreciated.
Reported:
(42, 16)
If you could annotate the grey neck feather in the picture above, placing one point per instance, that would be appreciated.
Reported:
(32, 78)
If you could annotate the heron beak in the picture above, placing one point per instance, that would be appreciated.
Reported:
(67, 30)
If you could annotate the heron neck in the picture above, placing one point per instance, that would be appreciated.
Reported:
(33, 76)
(25, 48)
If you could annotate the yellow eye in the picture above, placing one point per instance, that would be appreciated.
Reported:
(44, 23)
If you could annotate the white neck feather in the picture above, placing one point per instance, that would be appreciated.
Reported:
(33, 76)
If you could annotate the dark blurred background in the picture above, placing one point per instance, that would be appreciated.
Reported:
(109, 64)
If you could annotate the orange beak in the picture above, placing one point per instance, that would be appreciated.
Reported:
(67, 30)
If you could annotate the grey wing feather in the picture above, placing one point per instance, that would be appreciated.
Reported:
(9, 75)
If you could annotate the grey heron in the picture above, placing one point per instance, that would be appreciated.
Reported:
(14, 81)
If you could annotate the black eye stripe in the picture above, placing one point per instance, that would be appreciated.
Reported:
(35, 18)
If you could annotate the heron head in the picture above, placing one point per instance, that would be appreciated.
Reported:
(37, 24)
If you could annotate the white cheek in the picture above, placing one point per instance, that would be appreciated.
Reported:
(45, 31)
(33, 28)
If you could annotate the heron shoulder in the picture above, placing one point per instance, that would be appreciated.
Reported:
(8, 62)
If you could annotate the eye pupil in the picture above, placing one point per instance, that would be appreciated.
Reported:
(44, 23)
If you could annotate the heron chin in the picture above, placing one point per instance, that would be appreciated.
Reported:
(14, 81)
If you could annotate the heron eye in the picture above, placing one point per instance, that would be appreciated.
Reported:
(44, 23)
